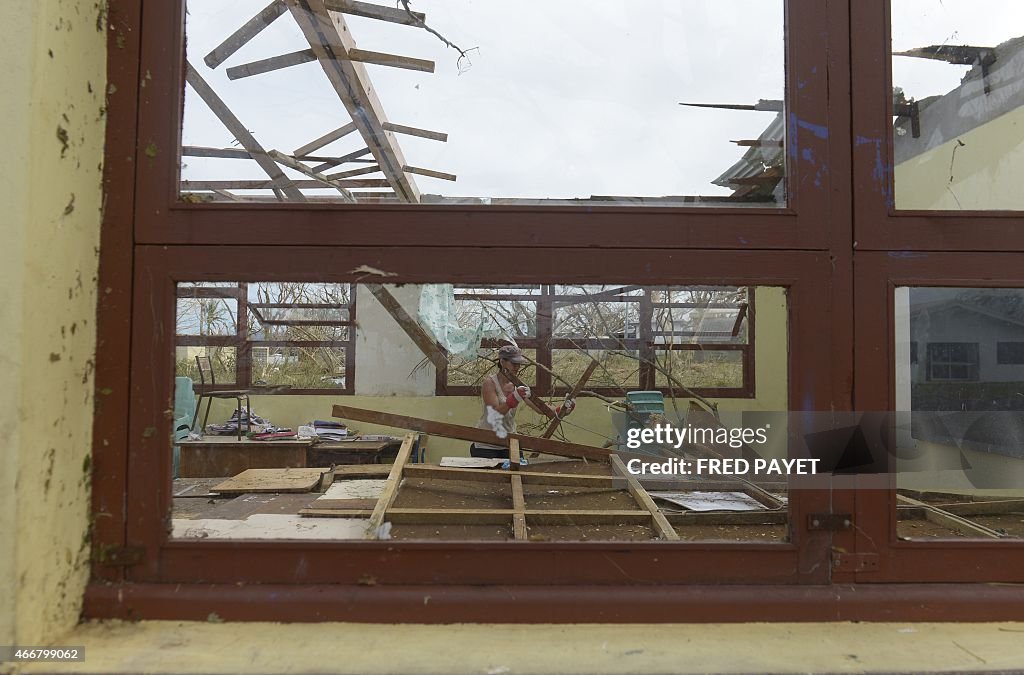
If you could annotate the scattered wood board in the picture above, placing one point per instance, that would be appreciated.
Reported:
(661, 525)
(272, 480)
(387, 497)
(947, 519)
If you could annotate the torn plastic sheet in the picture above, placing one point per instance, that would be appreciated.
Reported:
(438, 315)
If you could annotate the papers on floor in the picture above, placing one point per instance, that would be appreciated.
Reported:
(354, 489)
(711, 501)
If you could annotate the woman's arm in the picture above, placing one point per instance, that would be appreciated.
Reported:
(491, 397)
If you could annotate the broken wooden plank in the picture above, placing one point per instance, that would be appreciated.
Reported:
(326, 139)
(429, 172)
(947, 519)
(437, 354)
(387, 497)
(577, 388)
(326, 480)
(241, 133)
(350, 157)
(403, 516)
(990, 508)
(272, 480)
(270, 184)
(447, 430)
(287, 161)
(222, 153)
(331, 40)
(518, 500)
(373, 168)
(371, 11)
(639, 494)
(413, 131)
(248, 31)
(391, 60)
(271, 64)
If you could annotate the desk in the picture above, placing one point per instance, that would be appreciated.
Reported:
(218, 456)
(351, 452)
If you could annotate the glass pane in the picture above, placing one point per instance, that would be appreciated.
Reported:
(957, 73)
(418, 359)
(646, 103)
(960, 429)
(207, 316)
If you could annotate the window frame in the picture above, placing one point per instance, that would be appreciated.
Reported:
(147, 482)
(161, 218)
(878, 275)
(879, 226)
(243, 345)
(545, 343)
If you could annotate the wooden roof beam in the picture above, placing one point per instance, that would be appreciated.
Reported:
(371, 11)
(278, 179)
(329, 37)
(251, 29)
(307, 55)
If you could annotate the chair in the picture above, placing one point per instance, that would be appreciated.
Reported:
(208, 382)
(184, 417)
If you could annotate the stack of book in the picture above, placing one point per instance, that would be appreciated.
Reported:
(327, 430)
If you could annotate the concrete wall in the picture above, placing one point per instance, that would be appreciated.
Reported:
(51, 138)
(984, 173)
(388, 362)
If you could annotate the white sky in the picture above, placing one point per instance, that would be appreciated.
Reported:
(564, 98)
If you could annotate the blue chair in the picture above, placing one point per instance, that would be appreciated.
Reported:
(184, 412)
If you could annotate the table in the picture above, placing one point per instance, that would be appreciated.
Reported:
(324, 453)
(215, 456)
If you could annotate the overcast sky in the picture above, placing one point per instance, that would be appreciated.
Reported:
(563, 99)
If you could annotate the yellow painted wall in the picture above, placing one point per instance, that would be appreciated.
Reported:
(771, 377)
(986, 170)
(51, 139)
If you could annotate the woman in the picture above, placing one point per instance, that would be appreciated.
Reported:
(501, 399)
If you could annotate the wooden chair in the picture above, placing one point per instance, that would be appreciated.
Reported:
(208, 383)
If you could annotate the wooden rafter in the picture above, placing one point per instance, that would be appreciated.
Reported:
(273, 63)
(251, 29)
(287, 161)
(426, 343)
(278, 179)
(330, 39)
(371, 11)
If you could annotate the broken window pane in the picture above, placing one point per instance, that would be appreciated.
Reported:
(643, 103)
(960, 425)
(419, 357)
(958, 76)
